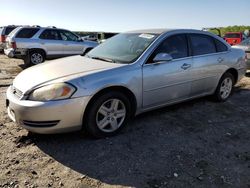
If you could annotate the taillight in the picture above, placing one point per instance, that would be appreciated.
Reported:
(13, 45)
(2, 38)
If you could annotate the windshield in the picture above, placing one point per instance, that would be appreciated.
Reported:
(246, 42)
(232, 35)
(122, 48)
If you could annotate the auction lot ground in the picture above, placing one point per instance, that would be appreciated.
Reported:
(194, 144)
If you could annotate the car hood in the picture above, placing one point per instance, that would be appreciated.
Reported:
(59, 69)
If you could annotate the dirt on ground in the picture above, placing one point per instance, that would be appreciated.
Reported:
(199, 143)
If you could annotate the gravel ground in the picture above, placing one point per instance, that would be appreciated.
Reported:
(194, 144)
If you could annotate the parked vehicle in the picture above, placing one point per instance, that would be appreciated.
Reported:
(36, 44)
(245, 45)
(234, 38)
(92, 37)
(128, 74)
(4, 31)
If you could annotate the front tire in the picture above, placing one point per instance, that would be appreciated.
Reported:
(108, 114)
(225, 87)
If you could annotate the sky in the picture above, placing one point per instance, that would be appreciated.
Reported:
(124, 15)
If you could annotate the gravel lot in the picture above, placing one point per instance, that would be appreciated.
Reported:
(194, 144)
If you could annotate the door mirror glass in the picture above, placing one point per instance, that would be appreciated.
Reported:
(162, 57)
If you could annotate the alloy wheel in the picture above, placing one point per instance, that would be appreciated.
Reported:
(36, 58)
(111, 115)
(226, 88)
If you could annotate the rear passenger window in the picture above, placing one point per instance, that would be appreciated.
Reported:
(50, 34)
(176, 46)
(220, 46)
(202, 44)
(27, 33)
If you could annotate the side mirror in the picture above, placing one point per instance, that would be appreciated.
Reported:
(162, 57)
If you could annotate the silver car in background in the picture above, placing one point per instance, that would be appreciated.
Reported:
(36, 44)
(129, 74)
(245, 45)
(4, 31)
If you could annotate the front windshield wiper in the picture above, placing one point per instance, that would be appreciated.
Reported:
(103, 59)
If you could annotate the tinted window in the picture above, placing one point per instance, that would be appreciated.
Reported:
(68, 36)
(8, 30)
(27, 33)
(176, 46)
(50, 34)
(202, 44)
(220, 46)
(232, 35)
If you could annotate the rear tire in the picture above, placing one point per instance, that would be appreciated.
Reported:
(224, 88)
(34, 57)
(107, 114)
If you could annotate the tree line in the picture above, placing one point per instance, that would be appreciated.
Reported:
(235, 28)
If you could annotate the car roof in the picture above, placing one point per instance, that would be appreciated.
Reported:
(163, 31)
(38, 27)
(152, 31)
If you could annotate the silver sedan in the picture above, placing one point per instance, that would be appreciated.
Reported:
(129, 74)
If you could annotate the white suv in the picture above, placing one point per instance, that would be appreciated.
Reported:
(35, 44)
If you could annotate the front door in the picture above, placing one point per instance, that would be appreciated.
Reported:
(71, 43)
(167, 82)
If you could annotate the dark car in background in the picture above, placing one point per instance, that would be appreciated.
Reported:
(4, 31)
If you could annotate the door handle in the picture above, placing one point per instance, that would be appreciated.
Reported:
(42, 43)
(220, 60)
(185, 66)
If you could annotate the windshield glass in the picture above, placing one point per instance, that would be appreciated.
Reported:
(122, 48)
(246, 42)
(232, 35)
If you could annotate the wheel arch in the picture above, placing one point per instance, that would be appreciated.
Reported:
(38, 49)
(234, 72)
(122, 89)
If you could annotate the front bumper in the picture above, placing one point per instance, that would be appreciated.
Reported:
(47, 117)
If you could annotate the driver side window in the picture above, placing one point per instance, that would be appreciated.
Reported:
(175, 45)
(68, 36)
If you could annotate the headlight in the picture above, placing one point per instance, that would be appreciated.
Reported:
(52, 92)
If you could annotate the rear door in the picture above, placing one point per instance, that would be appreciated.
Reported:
(71, 43)
(51, 40)
(208, 57)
